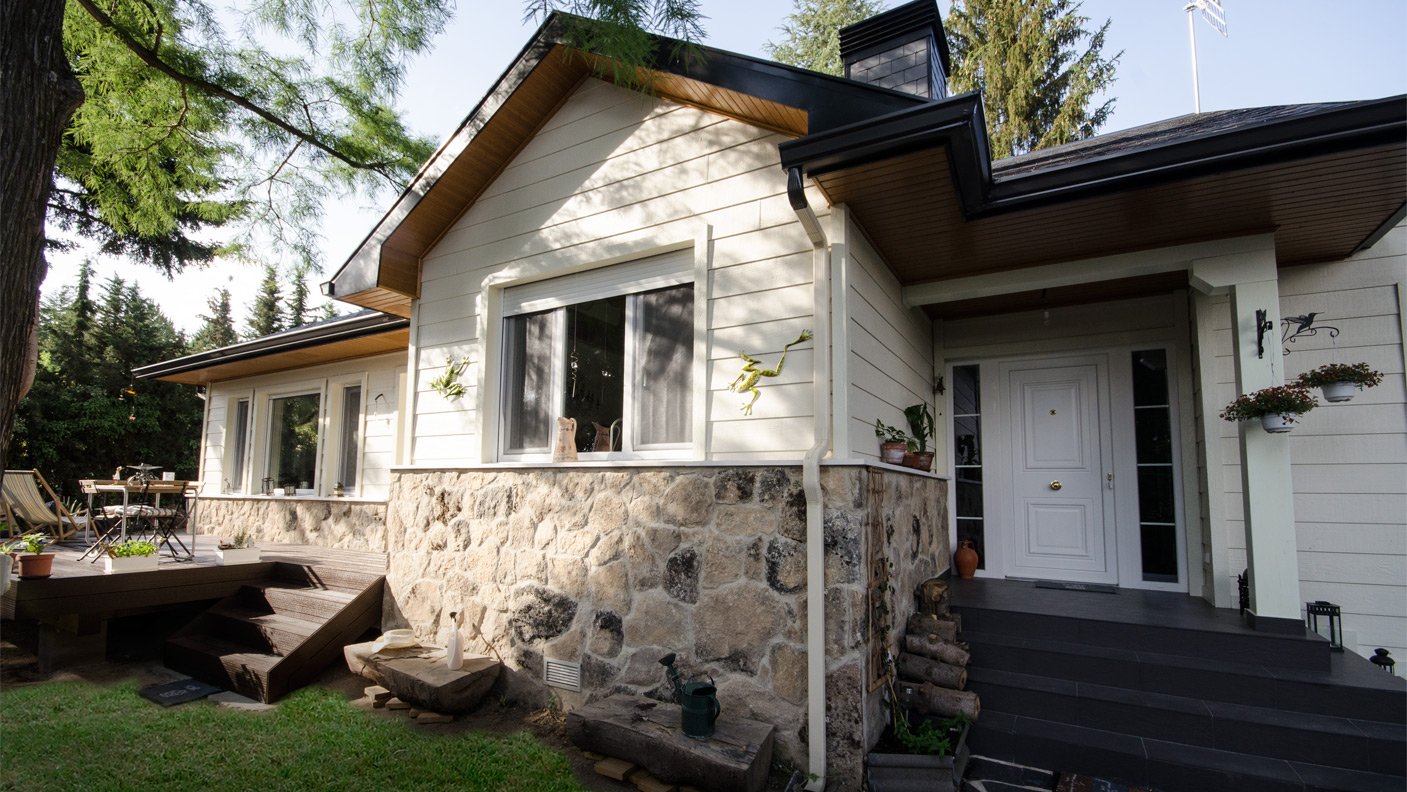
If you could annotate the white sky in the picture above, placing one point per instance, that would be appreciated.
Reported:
(1278, 52)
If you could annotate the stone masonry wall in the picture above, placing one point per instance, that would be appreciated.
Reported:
(615, 568)
(347, 524)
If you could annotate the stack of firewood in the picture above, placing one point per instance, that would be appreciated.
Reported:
(932, 663)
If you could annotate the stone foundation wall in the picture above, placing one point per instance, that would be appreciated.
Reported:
(341, 523)
(616, 568)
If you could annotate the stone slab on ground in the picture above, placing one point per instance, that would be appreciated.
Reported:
(619, 769)
(419, 675)
(236, 701)
(735, 759)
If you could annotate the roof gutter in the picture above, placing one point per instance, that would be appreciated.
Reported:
(811, 486)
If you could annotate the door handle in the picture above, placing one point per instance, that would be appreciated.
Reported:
(1055, 485)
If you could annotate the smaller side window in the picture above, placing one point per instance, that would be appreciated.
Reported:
(236, 452)
(349, 445)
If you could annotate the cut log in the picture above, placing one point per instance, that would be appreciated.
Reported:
(933, 597)
(646, 732)
(921, 669)
(933, 700)
(926, 624)
(937, 649)
(420, 676)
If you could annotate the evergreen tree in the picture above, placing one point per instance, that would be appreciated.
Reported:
(266, 315)
(218, 329)
(1036, 81)
(812, 32)
(298, 298)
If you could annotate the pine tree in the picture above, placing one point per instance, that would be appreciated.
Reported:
(1025, 56)
(218, 329)
(298, 298)
(266, 315)
(812, 33)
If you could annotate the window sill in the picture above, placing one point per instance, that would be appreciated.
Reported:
(299, 498)
(662, 463)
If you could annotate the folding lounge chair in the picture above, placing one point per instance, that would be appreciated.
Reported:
(26, 507)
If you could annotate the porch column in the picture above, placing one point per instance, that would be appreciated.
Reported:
(1267, 493)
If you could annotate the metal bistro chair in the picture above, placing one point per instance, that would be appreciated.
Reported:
(151, 521)
(25, 506)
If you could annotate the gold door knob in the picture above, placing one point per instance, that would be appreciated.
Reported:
(1055, 485)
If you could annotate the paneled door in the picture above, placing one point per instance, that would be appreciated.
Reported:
(1062, 502)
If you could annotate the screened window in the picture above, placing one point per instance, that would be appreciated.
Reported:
(967, 458)
(293, 440)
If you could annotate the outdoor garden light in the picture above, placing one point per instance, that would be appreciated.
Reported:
(1312, 612)
(1383, 660)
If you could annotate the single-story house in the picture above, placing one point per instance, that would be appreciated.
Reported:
(1075, 318)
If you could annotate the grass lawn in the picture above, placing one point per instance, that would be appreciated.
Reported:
(79, 736)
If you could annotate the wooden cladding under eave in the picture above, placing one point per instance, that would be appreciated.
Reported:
(302, 357)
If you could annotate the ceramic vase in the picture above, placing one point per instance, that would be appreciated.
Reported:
(965, 559)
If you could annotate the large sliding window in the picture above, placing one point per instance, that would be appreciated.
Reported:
(293, 441)
(614, 351)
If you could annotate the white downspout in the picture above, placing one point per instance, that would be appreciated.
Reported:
(811, 485)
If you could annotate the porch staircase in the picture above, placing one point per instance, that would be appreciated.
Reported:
(1164, 691)
(278, 634)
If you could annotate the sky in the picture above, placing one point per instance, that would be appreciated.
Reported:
(1277, 52)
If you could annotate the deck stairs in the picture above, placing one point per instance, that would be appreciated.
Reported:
(278, 634)
(1163, 691)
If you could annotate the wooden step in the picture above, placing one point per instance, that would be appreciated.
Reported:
(230, 665)
(337, 578)
(282, 596)
(277, 633)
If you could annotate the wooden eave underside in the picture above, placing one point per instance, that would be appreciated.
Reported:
(505, 133)
(270, 363)
(1319, 208)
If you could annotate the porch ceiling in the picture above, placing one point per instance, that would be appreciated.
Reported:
(294, 356)
(1320, 209)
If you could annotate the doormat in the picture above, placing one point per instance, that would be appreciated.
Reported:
(1066, 585)
(178, 692)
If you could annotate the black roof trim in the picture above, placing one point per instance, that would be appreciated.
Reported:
(878, 29)
(958, 124)
(341, 328)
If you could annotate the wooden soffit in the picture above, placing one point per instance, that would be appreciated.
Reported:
(296, 358)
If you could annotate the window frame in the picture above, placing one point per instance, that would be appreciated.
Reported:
(264, 399)
(235, 460)
(334, 411)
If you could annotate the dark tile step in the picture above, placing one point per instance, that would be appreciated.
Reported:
(1351, 688)
(1216, 641)
(276, 633)
(1260, 731)
(1166, 766)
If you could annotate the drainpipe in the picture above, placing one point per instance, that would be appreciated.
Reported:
(811, 485)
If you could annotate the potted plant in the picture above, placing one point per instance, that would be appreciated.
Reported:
(7, 560)
(893, 443)
(239, 549)
(1276, 407)
(131, 555)
(37, 564)
(921, 425)
(1339, 381)
(931, 756)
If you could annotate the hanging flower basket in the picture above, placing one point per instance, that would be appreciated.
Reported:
(1277, 407)
(1340, 381)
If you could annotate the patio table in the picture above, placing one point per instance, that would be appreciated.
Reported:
(163, 522)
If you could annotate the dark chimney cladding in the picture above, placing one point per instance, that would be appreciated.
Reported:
(903, 48)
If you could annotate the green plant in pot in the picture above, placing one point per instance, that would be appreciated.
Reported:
(1340, 381)
(922, 428)
(1277, 407)
(893, 443)
(130, 555)
(33, 561)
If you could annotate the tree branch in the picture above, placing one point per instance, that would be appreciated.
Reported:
(154, 60)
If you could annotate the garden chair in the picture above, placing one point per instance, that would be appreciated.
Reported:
(26, 507)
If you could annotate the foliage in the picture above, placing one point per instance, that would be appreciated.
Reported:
(266, 314)
(85, 414)
(132, 548)
(314, 739)
(621, 30)
(1025, 56)
(889, 434)
(811, 34)
(239, 541)
(1280, 399)
(298, 311)
(1359, 374)
(32, 543)
(218, 330)
(921, 424)
(448, 384)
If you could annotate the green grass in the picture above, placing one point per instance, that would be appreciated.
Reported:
(77, 736)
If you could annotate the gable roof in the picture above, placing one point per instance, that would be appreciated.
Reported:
(383, 273)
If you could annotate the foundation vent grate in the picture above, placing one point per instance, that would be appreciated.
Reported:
(561, 674)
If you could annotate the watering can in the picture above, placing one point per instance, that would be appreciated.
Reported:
(698, 702)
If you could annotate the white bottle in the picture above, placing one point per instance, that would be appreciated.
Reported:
(454, 655)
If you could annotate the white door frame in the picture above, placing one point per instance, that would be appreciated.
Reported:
(1118, 404)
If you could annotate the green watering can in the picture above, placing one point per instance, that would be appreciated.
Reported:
(698, 702)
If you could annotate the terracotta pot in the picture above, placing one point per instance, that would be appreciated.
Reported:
(1276, 423)
(36, 566)
(919, 460)
(965, 559)
(892, 453)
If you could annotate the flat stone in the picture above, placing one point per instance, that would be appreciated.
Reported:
(377, 693)
(419, 675)
(647, 783)
(619, 769)
(236, 701)
(434, 717)
(397, 704)
(413, 713)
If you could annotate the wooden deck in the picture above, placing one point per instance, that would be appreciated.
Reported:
(79, 588)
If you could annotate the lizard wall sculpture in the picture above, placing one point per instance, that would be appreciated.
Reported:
(747, 381)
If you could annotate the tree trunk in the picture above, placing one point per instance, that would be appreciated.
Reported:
(924, 624)
(933, 597)
(920, 669)
(936, 649)
(933, 700)
(38, 94)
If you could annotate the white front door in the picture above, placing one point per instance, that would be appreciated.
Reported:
(1061, 525)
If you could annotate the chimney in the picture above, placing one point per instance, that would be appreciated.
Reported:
(903, 48)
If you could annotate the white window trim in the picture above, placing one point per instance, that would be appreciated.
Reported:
(263, 399)
(332, 443)
(235, 481)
